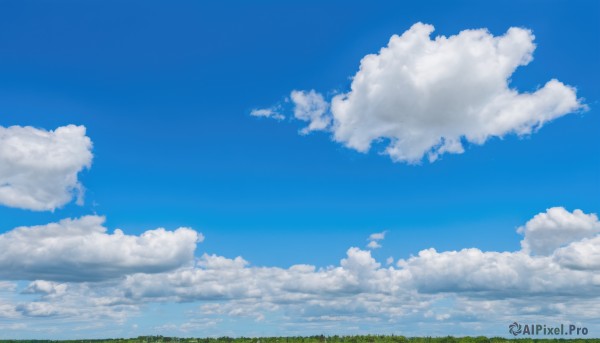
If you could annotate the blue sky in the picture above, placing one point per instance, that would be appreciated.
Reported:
(165, 93)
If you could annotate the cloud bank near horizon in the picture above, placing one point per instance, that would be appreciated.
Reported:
(441, 288)
(426, 97)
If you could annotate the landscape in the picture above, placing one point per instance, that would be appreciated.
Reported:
(299, 171)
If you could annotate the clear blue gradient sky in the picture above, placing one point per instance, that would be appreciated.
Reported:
(165, 90)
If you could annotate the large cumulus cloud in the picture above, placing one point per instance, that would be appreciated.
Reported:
(426, 97)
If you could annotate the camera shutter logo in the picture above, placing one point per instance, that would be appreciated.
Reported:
(515, 328)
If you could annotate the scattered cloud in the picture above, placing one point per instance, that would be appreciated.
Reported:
(378, 236)
(82, 250)
(373, 245)
(272, 112)
(426, 97)
(7, 286)
(441, 288)
(45, 287)
(44, 309)
(39, 168)
(374, 239)
(311, 107)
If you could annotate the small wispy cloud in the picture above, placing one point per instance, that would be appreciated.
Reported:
(373, 245)
(377, 236)
(374, 238)
(272, 112)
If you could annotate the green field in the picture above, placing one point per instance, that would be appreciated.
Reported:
(319, 339)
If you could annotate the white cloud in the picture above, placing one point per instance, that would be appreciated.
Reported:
(497, 274)
(220, 262)
(44, 309)
(38, 168)
(374, 238)
(45, 287)
(7, 286)
(93, 303)
(442, 289)
(469, 273)
(311, 107)
(377, 236)
(272, 112)
(582, 255)
(81, 249)
(541, 267)
(373, 245)
(557, 227)
(427, 97)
